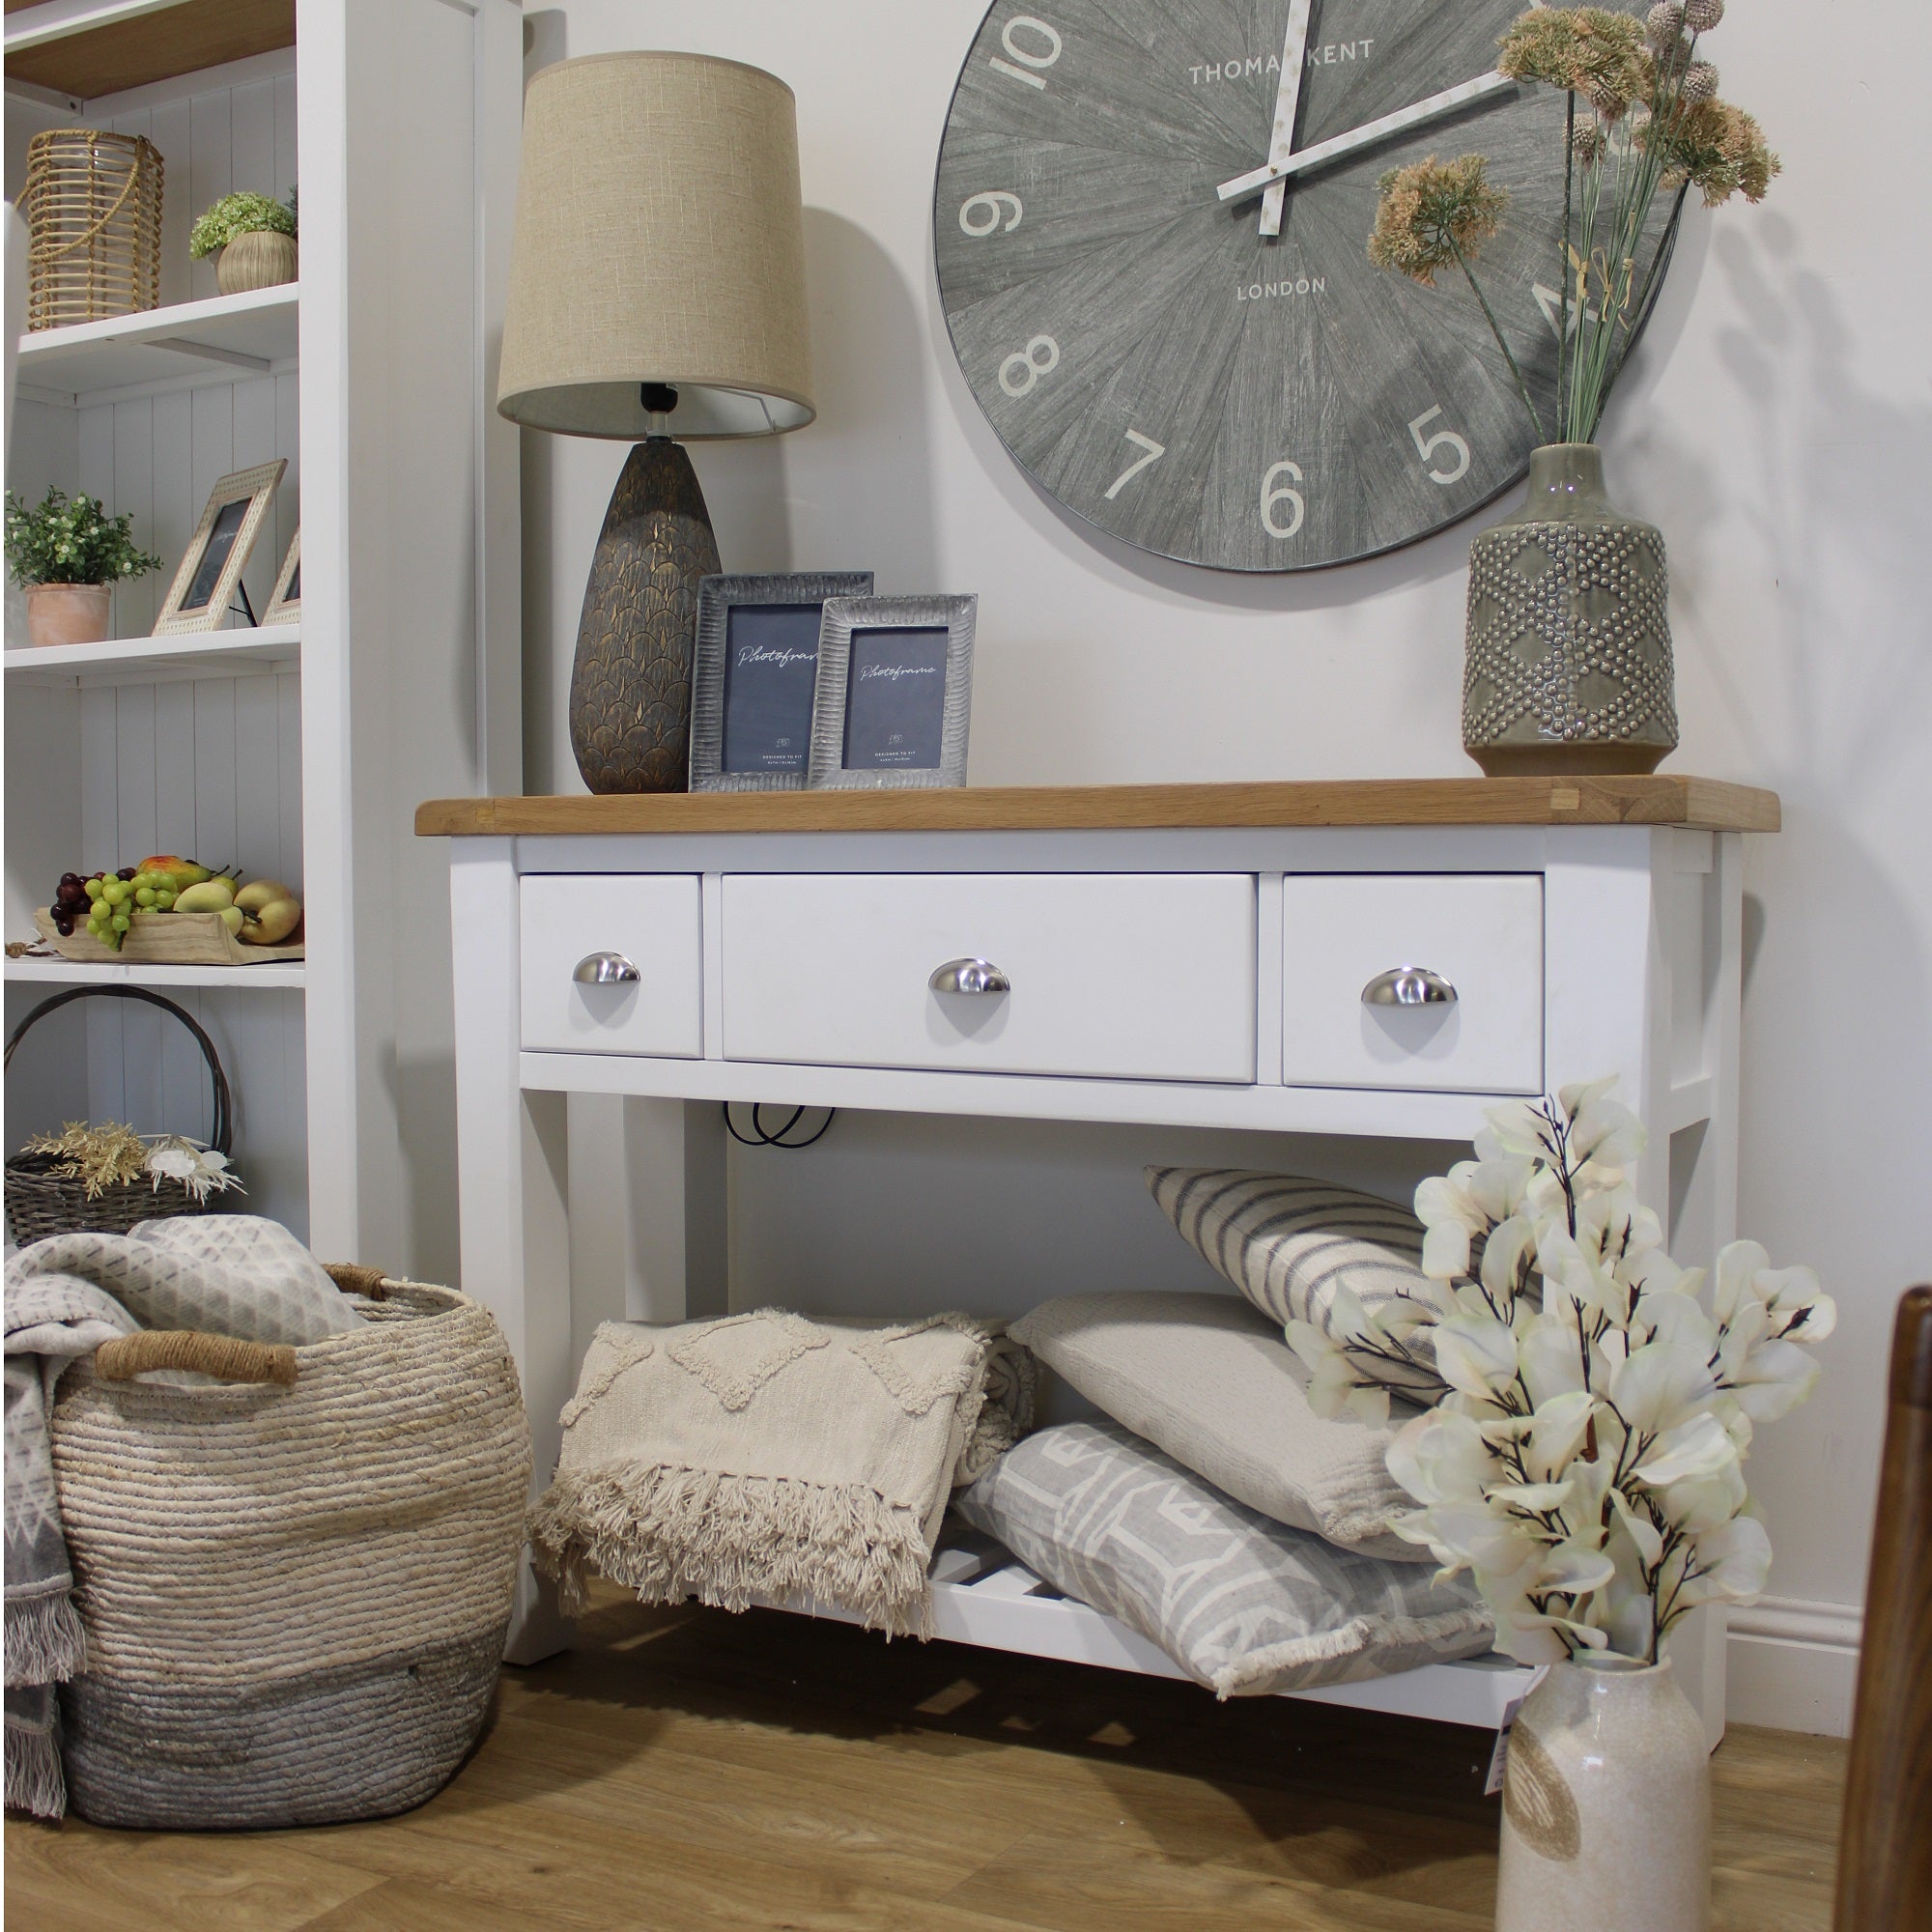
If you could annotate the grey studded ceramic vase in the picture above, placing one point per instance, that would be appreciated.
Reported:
(1569, 668)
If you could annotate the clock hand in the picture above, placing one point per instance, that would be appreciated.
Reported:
(1366, 135)
(1287, 103)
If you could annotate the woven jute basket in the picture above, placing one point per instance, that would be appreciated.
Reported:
(295, 1589)
(93, 202)
(42, 1202)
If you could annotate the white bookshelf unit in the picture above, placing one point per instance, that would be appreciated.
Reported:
(296, 750)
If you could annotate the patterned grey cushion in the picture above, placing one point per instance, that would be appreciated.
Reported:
(1288, 1243)
(1210, 1379)
(1243, 1605)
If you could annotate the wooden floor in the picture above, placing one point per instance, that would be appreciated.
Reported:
(694, 1769)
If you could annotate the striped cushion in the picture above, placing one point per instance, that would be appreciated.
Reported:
(1289, 1243)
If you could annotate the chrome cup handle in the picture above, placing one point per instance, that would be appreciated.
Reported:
(968, 976)
(605, 969)
(1408, 987)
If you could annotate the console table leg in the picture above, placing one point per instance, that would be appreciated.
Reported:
(513, 1162)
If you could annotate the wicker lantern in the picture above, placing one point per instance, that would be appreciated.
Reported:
(93, 202)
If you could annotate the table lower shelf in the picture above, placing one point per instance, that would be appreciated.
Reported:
(982, 1595)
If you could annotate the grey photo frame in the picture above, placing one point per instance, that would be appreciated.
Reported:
(847, 621)
(718, 597)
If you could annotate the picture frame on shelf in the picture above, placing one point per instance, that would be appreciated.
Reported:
(285, 602)
(894, 694)
(217, 553)
(753, 676)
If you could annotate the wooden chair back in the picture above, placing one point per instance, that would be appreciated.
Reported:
(1885, 1853)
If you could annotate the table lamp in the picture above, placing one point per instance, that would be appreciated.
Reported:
(657, 290)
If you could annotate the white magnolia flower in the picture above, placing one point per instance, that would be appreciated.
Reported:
(202, 1170)
(1583, 1458)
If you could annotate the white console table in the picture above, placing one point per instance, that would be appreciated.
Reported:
(1192, 956)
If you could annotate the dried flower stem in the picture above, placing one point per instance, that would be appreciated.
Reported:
(1497, 329)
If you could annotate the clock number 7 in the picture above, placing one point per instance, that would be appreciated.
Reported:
(1155, 452)
(1444, 438)
(1019, 54)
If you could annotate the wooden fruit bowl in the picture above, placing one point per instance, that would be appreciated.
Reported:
(165, 939)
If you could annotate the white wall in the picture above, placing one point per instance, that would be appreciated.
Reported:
(1776, 424)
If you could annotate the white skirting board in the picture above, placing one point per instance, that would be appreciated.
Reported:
(1793, 1665)
(981, 1595)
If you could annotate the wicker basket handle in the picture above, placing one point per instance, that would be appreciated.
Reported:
(366, 1282)
(223, 1356)
(222, 1139)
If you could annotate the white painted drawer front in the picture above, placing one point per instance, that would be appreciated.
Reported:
(1131, 976)
(1481, 933)
(654, 922)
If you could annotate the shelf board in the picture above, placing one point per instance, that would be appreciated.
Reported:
(225, 339)
(86, 48)
(158, 660)
(284, 975)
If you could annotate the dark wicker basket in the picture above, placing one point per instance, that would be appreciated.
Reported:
(41, 1202)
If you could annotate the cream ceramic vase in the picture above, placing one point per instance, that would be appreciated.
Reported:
(260, 259)
(1607, 1805)
(67, 613)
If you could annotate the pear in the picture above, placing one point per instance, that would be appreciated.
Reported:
(260, 893)
(170, 870)
(216, 895)
(272, 924)
(234, 919)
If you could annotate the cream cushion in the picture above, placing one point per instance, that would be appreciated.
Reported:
(1210, 1379)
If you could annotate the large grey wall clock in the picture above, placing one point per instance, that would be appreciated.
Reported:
(1232, 382)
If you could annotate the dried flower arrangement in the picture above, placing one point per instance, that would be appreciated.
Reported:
(1584, 1455)
(1649, 121)
(115, 1155)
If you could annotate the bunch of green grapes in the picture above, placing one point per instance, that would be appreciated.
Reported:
(112, 900)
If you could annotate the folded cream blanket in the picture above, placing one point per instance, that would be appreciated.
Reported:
(768, 1457)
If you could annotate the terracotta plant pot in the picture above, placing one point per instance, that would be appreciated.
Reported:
(259, 260)
(67, 613)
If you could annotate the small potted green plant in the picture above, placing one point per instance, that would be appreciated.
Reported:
(252, 238)
(66, 553)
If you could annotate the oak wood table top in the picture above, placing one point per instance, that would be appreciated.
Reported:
(1711, 805)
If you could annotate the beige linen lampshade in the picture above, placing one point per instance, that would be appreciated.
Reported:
(659, 239)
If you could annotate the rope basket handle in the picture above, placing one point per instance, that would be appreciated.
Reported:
(223, 1138)
(366, 1282)
(222, 1356)
(42, 164)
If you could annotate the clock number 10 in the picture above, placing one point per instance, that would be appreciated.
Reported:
(1036, 32)
(1446, 439)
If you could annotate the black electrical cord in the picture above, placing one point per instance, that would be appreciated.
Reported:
(758, 1137)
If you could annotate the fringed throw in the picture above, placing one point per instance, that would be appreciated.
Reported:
(766, 1458)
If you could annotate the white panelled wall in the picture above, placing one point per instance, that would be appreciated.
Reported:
(1775, 424)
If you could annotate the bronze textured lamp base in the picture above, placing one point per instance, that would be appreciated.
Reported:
(630, 687)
